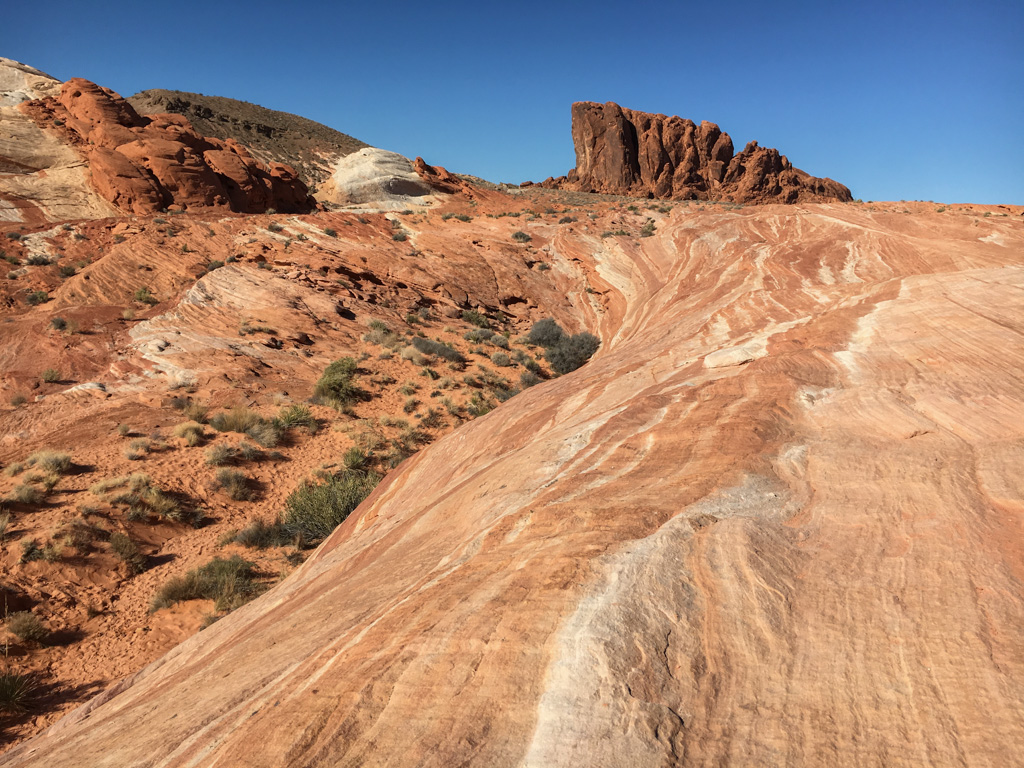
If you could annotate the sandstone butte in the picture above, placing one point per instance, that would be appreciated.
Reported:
(777, 520)
(625, 152)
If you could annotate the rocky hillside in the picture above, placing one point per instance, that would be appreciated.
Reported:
(775, 520)
(624, 152)
(311, 148)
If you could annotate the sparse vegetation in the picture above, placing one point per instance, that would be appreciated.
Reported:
(15, 692)
(438, 348)
(296, 416)
(235, 484)
(50, 375)
(50, 461)
(229, 583)
(126, 550)
(476, 318)
(36, 298)
(315, 509)
(27, 627)
(521, 237)
(221, 454)
(144, 296)
(191, 432)
(336, 386)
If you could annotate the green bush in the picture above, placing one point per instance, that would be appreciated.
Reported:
(572, 352)
(36, 298)
(545, 333)
(229, 583)
(521, 237)
(15, 692)
(50, 375)
(50, 461)
(143, 296)
(336, 386)
(313, 510)
(475, 318)
(438, 348)
(296, 416)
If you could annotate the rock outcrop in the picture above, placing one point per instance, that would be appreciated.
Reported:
(375, 177)
(624, 152)
(146, 164)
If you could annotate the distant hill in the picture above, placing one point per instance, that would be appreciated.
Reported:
(272, 136)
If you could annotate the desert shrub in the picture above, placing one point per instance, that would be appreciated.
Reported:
(38, 260)
(265, 433)
(572, 352)
(26, 493)
(15, 692)
(275, 227)
(478, 334)
(438, 348)
(239, 419)
(261, 534)
(219, 455)
(476, 318)
(479, 405)
(296, 416)
(354, 458)
(528, 379)
(58, 323)
(411, 405)
(545, 333)
(50, 375)
(648, 229)
(336, 386)
(27, 626)
(36, 298)
(68, 270)
(144, 296)
(18, 400)
(229, 583)
(50, 461)
(330, 232)
(14, 469)
(313, 510)
(499, 341)
(521, 237)
(413, 355)
(137, 449)
(191, 431)
(400, 237)
(249, 452)
(195, 411)
(235, 484)
(501, 359)
(126, 550)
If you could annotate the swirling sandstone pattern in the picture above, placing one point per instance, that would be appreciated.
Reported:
(776, 521)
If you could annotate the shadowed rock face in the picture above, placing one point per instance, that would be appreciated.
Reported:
(623, 152)
(145, 164)
(776, 521)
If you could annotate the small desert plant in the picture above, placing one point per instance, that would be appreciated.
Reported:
(124, 430)
(219, 455)
(26, 493)
(313, 510)
(411, 405)
(330, 232)
(68, 270)
(58, 323)
(235, 484)
(336, 386)
(50, 375)
(501, 359)
(296, 416)
(521, 237)
(14, 469)
(196, 411)
(122, 546)
(15, 692)
(275, 227)
(354, 458)
(137, 449)
(261, 534)
(229, 583)
(191, 431)
(400, 237)
(438, 348)
(27, 626)
(476, 318)
(249, 452)
(36, 298)
(50, 461)
(528, 379)
(144, 296)
(37, 260)
(239, 419)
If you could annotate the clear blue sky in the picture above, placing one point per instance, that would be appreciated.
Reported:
(897, 100)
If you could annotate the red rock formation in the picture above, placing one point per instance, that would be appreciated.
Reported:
(145, 164)
(622, 152)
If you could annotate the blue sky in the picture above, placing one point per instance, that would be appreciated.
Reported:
(897, 100)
